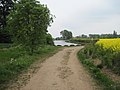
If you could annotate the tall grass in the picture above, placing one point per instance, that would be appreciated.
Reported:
(88, 54)
(102, 79)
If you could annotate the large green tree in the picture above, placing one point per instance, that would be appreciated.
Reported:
(66, 34)
(28, 23)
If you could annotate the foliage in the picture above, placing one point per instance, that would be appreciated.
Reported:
(109, 52)
(66, 34)
(28, 23)
(58, 38)
(14, 60)
(5, 36)
(49, 39)
(113, 35)
(83, 40)
(5, 7)
(108, 57)
(105, 82)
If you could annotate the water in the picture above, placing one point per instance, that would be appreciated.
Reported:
(63, 43)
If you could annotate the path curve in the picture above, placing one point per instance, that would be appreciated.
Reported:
(62, 71)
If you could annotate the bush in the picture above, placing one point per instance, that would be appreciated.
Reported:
(108, 57)
(103, 79)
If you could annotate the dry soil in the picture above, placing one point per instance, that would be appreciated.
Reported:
(62, 71)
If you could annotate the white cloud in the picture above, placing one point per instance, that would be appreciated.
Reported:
(84, 16)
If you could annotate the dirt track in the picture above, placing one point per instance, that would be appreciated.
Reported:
(62, 71)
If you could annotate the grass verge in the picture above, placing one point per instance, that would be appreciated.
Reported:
(13, 61)
(103, 80)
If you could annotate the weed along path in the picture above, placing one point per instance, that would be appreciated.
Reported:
(62, 71)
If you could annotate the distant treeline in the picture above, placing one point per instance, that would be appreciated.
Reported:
(113, 35)
(83, 40)
(88, 37)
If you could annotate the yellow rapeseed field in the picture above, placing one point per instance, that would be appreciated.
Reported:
(113, 44)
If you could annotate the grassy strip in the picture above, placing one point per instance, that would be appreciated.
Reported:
(83, 40)
(15, 60)
(103, 80)
(4, 45)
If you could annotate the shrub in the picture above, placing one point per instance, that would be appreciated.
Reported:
(105, 81)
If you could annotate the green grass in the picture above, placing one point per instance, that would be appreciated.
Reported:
(15, 60)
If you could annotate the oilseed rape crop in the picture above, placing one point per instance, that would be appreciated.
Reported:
(113, 44)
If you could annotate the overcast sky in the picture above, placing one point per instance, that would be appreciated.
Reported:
(84, 16)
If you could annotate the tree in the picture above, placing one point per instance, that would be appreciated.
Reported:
(49, 39)
(66, 34)
(28, 23)
(114, 34)
(5, 7)
(84, 36)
